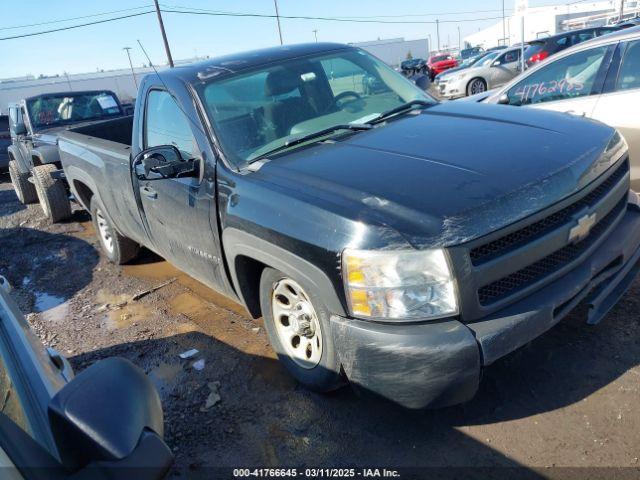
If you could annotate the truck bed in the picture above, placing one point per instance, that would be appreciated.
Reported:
(118, 130)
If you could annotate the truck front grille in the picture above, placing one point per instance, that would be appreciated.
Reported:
(529, 275)
(502, 245)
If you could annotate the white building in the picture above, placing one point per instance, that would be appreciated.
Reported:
(392, 51)
(549, 20)
(120, 81)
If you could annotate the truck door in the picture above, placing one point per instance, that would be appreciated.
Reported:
(177, 211)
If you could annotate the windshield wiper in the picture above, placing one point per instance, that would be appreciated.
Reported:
(400, 109)
(312, 136)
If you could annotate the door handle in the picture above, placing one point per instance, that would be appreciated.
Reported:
(149, 192)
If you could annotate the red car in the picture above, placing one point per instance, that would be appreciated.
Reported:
(439, 63)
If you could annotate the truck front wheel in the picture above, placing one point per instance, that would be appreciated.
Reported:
(25, 191)
(118, 249)
(297, 323)
(52, 193)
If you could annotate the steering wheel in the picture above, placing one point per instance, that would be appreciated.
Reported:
(344, 95)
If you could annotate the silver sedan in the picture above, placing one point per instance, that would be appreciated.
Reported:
(491, 71)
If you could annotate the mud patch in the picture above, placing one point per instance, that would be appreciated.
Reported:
(120, 312)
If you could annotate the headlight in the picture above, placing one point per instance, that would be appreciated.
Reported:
(401, 285)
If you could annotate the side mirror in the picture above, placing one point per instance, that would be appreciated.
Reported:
(504, 99)
(109, 417)
(164, 161)
(20, 129)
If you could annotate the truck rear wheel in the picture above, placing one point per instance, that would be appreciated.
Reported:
(52, 193)
(118, 249)
(25, 191)
(297, 323)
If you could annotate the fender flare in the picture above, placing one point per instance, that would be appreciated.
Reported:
(239, 243)
(47, 154)
(24, 166)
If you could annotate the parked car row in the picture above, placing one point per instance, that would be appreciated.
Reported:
(495, 67)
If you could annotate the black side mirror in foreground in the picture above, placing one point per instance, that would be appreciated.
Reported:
(108, 423)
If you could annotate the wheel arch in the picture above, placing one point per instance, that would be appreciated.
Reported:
(247, 255)
(484, 80)
(16, 155)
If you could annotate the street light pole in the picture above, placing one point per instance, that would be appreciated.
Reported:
(275, 2)
(438, 32)
(459, 39)
(315, 33)
(621, 9)
(164, 34)
(504, 30)
(133, 73)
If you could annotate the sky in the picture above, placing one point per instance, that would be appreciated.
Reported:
(100, 46)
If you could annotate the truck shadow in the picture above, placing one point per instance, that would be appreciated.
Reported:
(9, 203)
(265, 419)
(31, 261)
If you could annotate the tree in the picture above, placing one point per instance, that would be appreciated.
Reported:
(409, 56)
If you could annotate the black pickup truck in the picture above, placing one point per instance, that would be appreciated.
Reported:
(385, 238)
(34, 162)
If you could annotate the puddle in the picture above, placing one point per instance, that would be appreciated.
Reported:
(165, 374)
(58, 313)
(125, 315)
(46, 301)
(87, 230)
(162, 270)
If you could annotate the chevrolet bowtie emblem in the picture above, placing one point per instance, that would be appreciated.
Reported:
(582, 229)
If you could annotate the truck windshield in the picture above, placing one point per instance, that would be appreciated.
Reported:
(61, 109)
(258, 112)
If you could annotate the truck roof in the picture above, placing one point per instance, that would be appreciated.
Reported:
(236, 62)
(68, 92)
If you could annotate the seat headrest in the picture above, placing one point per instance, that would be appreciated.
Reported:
(281, 81)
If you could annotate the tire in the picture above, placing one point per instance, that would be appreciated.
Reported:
(52, 193)
(118, 249)
(319, 372)
(478, 84)
(25, 190)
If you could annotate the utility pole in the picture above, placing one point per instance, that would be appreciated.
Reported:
(438, 32)
(68, 81)
(164, 34)
(275, 2)
(133, 73)
(315, 32)
(459, 39)
(621, 9)
(504, 30)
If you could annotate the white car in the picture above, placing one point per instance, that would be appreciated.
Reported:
(598, 79)
(491, 71)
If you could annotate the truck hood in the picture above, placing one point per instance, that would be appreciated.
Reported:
(451, 173)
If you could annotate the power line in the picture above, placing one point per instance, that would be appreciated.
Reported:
(33, 34)
(62, 20)
(167, 6)
(326, 19)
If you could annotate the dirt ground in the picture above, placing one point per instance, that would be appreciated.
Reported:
(569, 399)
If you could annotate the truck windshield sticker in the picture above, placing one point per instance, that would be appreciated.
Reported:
(107, 101)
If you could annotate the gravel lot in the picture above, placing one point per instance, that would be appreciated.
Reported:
(569, 399)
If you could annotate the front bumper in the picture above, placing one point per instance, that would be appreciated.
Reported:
(439, 363)
(451, 89)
